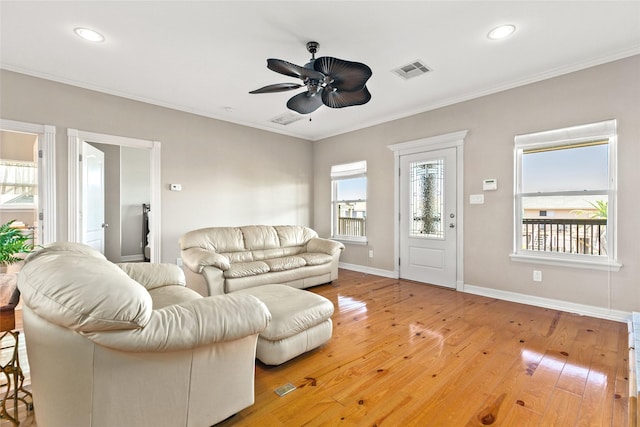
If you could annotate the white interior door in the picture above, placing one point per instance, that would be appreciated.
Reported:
(428, 217)
(93, 197)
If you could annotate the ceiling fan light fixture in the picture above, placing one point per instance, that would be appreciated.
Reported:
(89, 34)
(501, 32)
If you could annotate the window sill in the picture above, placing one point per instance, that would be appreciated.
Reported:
(350, 241)
(605, 265)
(17, 207)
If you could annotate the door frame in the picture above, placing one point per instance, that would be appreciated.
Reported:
(46, 175)
(75, 139)
(449, 140)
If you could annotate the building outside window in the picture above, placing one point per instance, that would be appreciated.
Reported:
(565, 196)
(349, 201)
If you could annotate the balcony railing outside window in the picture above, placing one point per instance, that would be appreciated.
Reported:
(576, 236)
(352, 226)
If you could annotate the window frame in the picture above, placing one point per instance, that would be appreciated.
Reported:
(605, 130)
(343, 172)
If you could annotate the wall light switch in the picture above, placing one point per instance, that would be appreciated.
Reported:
(476, 199)
(175, 187)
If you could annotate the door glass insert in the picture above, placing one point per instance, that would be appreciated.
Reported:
(426, 203)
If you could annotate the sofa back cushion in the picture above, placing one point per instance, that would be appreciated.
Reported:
(73, 286)
(260, 237)
(293, 235)
(214, 239)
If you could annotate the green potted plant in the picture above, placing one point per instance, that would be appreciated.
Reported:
(13, 244)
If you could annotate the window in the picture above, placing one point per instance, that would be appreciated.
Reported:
(18, 183)
(349, 201)
(565, 196)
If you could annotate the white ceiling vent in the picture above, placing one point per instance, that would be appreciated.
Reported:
(413, 69)
(286, 118)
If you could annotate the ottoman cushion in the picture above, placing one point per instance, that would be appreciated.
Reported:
(300, 321)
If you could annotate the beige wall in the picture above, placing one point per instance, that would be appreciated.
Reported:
(234, 175)
(230, 174)
(610, 91)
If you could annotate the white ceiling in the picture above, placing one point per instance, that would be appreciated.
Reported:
(204, 57)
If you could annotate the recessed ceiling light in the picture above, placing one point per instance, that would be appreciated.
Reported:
(501, 32)
(90, 35)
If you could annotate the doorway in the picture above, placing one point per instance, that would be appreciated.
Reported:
(27, 163)
(128, 178)
(428, 232)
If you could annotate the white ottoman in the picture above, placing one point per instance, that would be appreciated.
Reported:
(300, 321)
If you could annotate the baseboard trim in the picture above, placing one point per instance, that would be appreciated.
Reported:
(581, 309)
(369, 270)
(570, 307)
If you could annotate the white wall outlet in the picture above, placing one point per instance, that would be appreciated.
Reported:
(537, 276)
(179, 262)
(370, 253)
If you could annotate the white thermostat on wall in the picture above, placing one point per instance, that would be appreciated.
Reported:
(490, 184)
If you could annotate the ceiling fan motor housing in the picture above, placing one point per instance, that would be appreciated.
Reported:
(313, 47)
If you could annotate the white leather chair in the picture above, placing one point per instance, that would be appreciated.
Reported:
(129, 345)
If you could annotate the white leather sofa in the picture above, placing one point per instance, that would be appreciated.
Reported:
(227, 259)
(130, 345)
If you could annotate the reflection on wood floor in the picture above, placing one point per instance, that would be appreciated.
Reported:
(409, 354)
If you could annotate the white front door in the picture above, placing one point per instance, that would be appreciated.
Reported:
(93, 197)
(428, 217)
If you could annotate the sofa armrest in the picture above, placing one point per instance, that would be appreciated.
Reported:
(191, 324)
(327, 246)
(195, 259)
(153, 276)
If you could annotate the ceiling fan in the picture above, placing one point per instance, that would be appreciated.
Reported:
(333, 82)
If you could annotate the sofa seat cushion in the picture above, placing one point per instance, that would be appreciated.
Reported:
(292, 310)
(285, 263)
(315, 258)
(244, 269)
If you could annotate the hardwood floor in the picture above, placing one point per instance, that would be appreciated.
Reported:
(409, 354)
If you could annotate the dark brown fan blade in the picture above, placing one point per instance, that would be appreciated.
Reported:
(278, 87)
(305, 104)
(338, 99)
(347, 75)
(293, 70)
